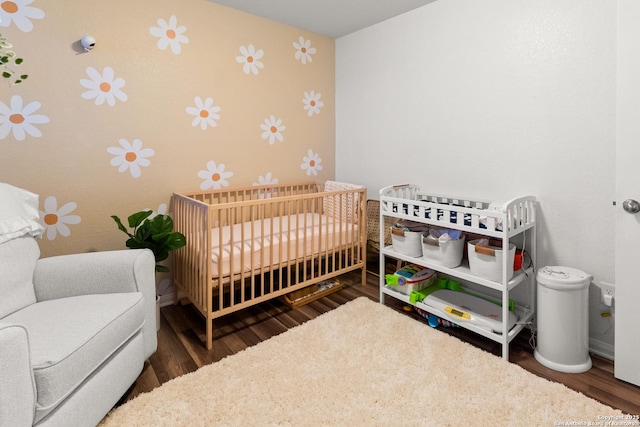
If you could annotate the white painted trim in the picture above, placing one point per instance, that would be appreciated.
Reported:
(601, 349)
(166, 300)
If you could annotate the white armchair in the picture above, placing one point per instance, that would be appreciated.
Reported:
(75, 330)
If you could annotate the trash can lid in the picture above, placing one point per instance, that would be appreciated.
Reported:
(563, 277)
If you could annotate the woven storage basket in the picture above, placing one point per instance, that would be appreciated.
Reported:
(373, 226)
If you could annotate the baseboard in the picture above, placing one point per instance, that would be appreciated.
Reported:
(167, 299)
(601, 349)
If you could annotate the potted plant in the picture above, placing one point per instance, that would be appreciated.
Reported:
(156, 234)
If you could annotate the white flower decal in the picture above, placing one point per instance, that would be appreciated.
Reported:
(20, 13)
(214, 176)
(312, 103)
(162, 210)
(130, 156)
(266, 180)
(205, 113)
(272, 130)
(251, 59)
(304, 50)
(311, 163)
(20, 119)
(170, 34)
(55, 220)
(103, 87)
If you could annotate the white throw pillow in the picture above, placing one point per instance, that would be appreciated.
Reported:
(19, 215)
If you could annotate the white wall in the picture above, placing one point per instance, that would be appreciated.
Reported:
(492, 99)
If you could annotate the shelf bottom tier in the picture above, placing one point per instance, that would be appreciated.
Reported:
(523, 315)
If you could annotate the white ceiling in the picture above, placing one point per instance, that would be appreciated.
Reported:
(333, 18)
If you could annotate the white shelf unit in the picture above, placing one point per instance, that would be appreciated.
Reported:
(514, 219)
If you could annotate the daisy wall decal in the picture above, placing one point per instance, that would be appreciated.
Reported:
(311, 163)
(162, 210)
(266, 180)
(170, 34)
(20, 13)
(273, 129)
(250, 59)
(312, 103)
(214, 176)
(20, 119)
(56, 220)
(204, 113)
(103, 87)
(304, 50)
(130, 156)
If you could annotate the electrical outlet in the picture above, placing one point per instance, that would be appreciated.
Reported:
(606, 290)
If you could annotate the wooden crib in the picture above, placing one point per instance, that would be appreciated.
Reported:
(248, 245)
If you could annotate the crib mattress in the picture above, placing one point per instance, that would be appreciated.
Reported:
(253, 245)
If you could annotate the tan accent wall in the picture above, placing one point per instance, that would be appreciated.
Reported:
(82, 158)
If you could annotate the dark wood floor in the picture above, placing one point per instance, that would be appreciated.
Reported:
(181, 349)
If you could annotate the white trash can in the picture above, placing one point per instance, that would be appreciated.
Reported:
(563, 319)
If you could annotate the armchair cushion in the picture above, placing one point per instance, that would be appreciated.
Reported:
(18, 256)
(70, 338)
(110, 272)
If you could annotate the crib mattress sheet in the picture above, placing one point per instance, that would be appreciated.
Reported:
(256, 244)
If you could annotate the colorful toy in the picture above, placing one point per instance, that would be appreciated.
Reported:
(394, 280)
(410, 278)
(438, 321)
(411, 271)
(417, 296)
(434, 320)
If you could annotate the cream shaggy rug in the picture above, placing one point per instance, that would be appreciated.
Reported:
(361, 364)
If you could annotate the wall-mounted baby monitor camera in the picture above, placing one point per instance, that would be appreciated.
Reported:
(88, 43)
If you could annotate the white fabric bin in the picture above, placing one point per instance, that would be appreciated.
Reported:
(446, 254)
(407, 242)
(487, 261)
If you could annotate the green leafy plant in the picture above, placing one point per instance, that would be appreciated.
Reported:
(156, 234)
(8, 58)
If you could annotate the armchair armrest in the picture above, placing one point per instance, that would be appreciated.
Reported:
(127, 270)
(94, 273)
(17, 387)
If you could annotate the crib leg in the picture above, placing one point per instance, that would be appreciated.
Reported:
(209, 334)
(364, 275)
